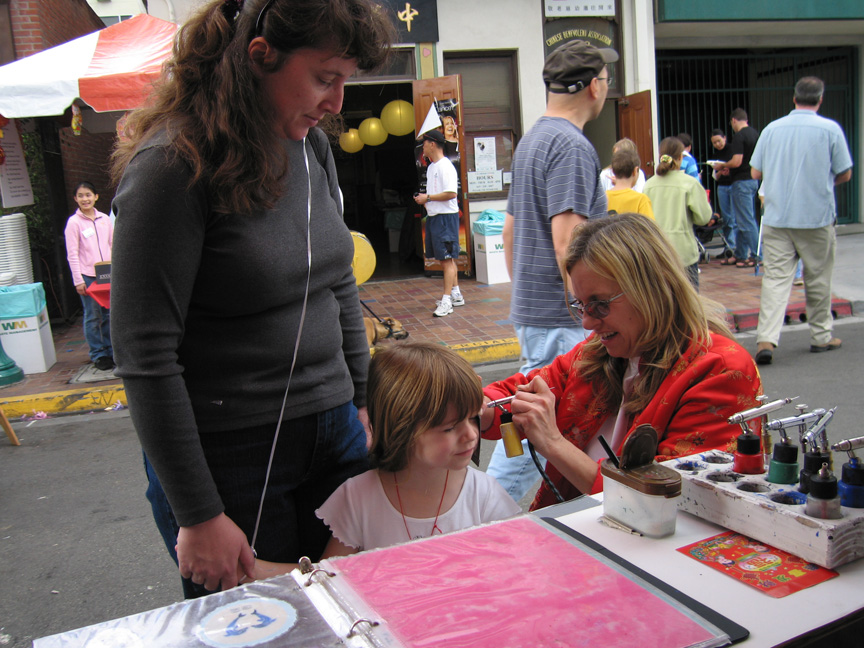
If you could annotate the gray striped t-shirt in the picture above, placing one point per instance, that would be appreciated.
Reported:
(555, 169)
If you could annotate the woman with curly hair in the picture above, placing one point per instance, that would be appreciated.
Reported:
(234, 306)
(658, 354)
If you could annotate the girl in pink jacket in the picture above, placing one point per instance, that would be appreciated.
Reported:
(89, 235)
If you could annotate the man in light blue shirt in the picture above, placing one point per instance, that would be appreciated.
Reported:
(800, 158)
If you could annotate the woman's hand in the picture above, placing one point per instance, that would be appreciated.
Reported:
(81, 289)
(534, 415)
(533, 411)
(209, 553)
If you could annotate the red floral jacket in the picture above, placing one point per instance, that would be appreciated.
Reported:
(706, 386)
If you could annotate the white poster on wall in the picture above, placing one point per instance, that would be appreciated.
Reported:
(479, 181)
(15, 188)
(484, 154)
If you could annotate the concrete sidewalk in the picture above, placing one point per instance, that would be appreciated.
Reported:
(480, 331)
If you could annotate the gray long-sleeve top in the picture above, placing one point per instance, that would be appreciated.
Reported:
(206, 308)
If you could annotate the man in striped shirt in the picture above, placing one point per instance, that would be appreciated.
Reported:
(555, 187)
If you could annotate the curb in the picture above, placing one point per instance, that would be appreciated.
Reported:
(77, 401)
(81, 400)
(489, 351)
(74, 401)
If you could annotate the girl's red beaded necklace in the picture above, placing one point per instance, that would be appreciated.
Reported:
(435, 523)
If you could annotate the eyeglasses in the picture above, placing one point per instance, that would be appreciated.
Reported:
(607, 79)
(259, 24)
(598, 309)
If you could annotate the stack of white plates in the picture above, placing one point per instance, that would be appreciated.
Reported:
(15, 248)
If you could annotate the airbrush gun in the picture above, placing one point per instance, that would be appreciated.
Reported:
(813, 441)
(851, 484)
(783, 468)
(749, 460)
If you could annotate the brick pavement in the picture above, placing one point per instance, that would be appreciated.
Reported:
(481, 324)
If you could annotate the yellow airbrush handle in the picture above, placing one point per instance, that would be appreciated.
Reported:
(510, 436)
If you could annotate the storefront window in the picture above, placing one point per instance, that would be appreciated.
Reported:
(401, 66)
(490, 110)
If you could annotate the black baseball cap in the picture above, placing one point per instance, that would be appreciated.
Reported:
(434, 136)
(571, 66)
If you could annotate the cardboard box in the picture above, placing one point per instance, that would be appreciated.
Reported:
(28, 341)
(489, 259)
(103, 272)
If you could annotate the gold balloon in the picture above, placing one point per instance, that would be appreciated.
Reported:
(372, 131)
(398, 117)
(364, 258)
(350, 141)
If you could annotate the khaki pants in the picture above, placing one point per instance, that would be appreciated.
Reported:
(781, 249)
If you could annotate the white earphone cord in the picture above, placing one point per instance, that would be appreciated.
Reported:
(296, 343)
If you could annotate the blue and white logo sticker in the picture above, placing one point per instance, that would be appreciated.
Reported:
(248, 622)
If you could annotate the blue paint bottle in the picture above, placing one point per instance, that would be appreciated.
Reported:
(851, 484)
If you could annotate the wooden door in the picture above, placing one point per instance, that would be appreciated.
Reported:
(446, 93)
(634, 121)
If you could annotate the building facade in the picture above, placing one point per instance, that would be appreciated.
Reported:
(684, 66)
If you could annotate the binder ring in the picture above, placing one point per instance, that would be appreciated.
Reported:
(312, 576)
(305, 565)
(352, 633)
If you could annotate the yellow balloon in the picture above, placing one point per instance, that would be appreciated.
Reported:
(363, 264)
(350, 141)
(398, 117)
(372, 131)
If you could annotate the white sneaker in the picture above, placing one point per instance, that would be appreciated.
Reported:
(445, 307)
(457, 299)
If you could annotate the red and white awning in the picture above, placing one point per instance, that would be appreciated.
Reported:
(111, 69)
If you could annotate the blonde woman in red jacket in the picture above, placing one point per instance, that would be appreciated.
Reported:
(658, 354)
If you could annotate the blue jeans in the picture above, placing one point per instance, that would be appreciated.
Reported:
(744, 208)
(97, 325)
(540, 346)
(315, 454)
(730, 227)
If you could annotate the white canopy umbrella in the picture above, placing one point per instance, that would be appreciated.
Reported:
(111, 69)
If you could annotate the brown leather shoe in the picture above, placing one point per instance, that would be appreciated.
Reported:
(833, 343)
(764, 353)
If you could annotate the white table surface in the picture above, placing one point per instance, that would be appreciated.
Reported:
(770, 621)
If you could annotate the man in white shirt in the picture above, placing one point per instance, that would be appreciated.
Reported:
(442, 222)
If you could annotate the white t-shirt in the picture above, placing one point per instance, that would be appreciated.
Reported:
(441, 176)
(360, 515)
(606, 177)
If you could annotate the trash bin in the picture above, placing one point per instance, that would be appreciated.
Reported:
(489, 247)
(25, 327)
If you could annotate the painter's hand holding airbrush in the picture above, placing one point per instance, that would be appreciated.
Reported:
(533, 410)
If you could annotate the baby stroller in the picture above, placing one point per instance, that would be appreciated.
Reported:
(705, 239)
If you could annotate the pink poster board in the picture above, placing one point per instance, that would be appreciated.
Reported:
(515, 583)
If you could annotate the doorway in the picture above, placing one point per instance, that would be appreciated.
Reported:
(378, 184)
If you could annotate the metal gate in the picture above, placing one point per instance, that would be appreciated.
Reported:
(697, 90)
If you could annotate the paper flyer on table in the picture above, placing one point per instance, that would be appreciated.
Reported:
(768, 569)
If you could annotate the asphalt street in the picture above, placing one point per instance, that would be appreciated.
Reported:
(78, 545)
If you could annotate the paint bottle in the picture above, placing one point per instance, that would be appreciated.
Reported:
(748, 455)
(510, 436)
(813, 460)
(823, 500)
(783, 468)
(851, 484)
